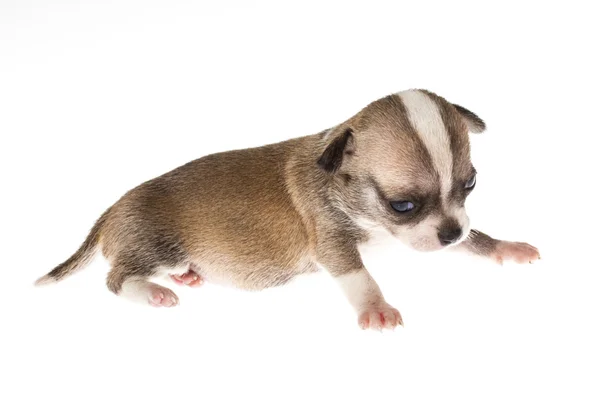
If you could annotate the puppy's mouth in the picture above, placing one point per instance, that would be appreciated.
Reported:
(427, 246)
(433, 244)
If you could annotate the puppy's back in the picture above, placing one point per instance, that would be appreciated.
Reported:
(225, 209)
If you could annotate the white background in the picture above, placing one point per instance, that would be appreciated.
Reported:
(98, 96)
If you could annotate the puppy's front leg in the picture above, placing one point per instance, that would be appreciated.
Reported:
(360, 289)
(499, 250)
(364, 295)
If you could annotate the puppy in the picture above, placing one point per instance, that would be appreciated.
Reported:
(258, 217)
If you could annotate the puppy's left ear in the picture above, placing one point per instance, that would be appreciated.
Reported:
(474, 123)
(339, 145)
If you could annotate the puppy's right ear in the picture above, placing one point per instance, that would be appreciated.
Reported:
(339, 145)
(474, 123)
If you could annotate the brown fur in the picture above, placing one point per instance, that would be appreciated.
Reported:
(257, 217)
(479, 243)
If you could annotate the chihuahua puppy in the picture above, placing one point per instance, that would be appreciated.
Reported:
(258, 217)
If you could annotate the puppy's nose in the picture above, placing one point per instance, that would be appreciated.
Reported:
(449, 236)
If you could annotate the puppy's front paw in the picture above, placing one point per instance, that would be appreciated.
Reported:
(515, 251)
(380, 317)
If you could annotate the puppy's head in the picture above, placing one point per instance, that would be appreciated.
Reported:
(403, 164)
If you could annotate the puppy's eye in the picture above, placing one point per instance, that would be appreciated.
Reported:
(470, 183)
(402, 206)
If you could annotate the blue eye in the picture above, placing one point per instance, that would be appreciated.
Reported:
(470, 183)
(402, 206)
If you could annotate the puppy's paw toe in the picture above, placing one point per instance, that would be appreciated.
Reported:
(191, 279)
(380, 317)
(159, 296)
(515, 251)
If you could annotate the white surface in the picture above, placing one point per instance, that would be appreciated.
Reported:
(96, 97)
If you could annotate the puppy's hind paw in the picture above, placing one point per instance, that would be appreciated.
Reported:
(191, 279)
(515, 251)
(159, 296)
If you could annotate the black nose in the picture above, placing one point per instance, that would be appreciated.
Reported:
(449, 236)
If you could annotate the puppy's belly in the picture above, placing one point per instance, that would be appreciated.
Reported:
(250, 275)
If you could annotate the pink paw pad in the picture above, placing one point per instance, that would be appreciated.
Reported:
(162, 297)
(379, 318)
(191, 279)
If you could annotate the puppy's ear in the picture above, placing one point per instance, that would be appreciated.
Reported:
(339, 145)
(474, 123)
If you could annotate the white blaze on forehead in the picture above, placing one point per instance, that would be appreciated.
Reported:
(425, 117)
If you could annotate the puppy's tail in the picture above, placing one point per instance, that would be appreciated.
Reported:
(80, 258)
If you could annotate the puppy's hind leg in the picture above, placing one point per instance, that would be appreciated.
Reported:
(134, 285)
